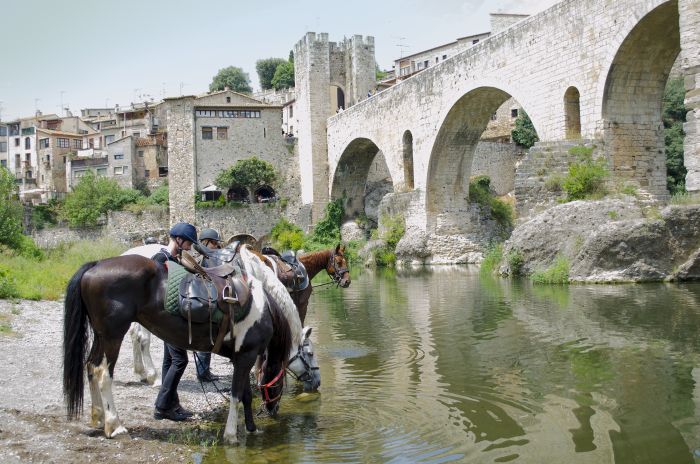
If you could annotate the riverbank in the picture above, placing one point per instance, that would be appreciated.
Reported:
(32, 413)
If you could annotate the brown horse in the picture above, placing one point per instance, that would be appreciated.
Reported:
(332, 260)
(108, 295)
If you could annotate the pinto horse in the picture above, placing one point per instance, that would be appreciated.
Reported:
(332, 260)
(107, 296)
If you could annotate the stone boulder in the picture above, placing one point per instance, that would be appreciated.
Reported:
(366, 253)
(612, 240)
(413, 247)
(352, 231)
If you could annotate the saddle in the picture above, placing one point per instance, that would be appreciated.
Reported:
(218, 295)
(290, 271)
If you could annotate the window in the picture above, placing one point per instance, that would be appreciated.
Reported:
(17, 142)
(27, 143)
(77, 144)
(444, 57)
(221, 133)
(79, 174)
(206, 113)
(17, 161)
(163, 171)
(109, 139)
(43, 143)
(48, 159)
(228, 99)
(3, 163)
(207, 133)
(146, 173)
(27, 157)
(239, 114)
(101, 172)
(3, 147)
(140, 153)
(136, 134)
(3, 131)
(119, 170)
(475, 41)
(28, 175)
(437, 59)
(119, 156)
(426, 63)
(291, 111)
(514, 113)
(63, 143)
(91, 143)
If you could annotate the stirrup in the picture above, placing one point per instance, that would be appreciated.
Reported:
(228, 299)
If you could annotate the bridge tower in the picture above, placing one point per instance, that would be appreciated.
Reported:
(327, 75)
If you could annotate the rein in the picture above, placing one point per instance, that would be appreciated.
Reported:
(265, 389)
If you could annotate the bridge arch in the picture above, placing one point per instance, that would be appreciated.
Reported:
(351, 173)
(632, 99)
(452, 154)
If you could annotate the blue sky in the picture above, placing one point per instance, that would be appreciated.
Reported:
(91, 53)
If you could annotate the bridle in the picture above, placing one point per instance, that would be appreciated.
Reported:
(337, 274)
(306, 376)
(265, 388)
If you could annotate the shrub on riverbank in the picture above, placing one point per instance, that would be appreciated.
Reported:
(46, 279)
(480, 192)
(557, 273)
(586, 177)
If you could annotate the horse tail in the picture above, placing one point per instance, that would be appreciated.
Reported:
(75, 338)
(281, 341)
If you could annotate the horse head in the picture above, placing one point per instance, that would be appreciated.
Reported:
(304, 365)
(337, 267)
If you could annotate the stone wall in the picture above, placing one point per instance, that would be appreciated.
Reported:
(498, 161)
(181, 163)
(690, 66)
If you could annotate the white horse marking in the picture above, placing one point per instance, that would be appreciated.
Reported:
(231, 430)
(112, 424)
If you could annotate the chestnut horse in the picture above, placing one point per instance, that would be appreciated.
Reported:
(108, 295)
(332, 260)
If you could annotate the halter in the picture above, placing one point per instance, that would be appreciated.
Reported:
(265, 389)
(337, 274)
(308, 368)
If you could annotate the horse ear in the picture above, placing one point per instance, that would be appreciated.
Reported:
(337, 248)
(306, 333)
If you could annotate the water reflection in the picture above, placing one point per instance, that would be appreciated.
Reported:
(442, 364)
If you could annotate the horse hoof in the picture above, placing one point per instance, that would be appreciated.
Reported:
(231, 439)
(118, 431)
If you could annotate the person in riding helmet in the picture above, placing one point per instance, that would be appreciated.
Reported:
(211, 239)
(182, 237)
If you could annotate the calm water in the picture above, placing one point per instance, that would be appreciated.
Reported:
(445, 365)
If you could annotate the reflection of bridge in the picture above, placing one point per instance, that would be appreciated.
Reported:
(590, 69)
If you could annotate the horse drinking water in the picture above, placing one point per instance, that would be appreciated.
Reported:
(108, 295)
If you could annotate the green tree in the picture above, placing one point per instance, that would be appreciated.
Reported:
(266, 70)
(232, 77)
(284, 76)
(291, 56)
(94, 196)
(674, 112)
(10, 210)
(524, 133)
(249, 173)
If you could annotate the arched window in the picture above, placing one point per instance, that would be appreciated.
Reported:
(408, 159)
(27, 143)
(265, 194)
(572, 116)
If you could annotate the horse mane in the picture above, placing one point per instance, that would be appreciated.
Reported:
(275, 290)
(316, 261)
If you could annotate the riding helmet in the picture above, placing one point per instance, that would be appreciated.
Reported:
(210, 234)
(185, 231)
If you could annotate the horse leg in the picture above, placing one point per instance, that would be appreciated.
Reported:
(242, 366)
(97, 414)
(141, 339)
(104, 373)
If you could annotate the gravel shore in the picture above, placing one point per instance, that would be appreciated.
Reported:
(33, 424)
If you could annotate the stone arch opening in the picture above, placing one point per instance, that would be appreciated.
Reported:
(362, 178)
(237, 193)
(408, 160)
(572, 113)
(464, 148)
(337, 98)
(265, 194)
(632, 100)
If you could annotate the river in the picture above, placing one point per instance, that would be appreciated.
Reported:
(446, 365)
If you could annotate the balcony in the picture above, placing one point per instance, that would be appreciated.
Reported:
(100, 161)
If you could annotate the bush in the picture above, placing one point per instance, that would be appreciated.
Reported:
(674, 114)
(159, 196)
(524, 133)
(10, 210)
(93, 197)
(480, 192)
(394, 229)
(516, 261)
(8, 289)
(287, 236)
(46, 215)
(586, 177)
(557, 273)
(327, 231)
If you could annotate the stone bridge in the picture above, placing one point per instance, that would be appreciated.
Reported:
(591, 70)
